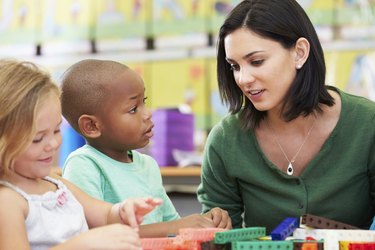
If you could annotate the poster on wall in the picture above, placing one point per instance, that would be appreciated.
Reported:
(178, 17)
(356, 19)
(217, 11)
(118, 19)
(18, 27)
(66, 25)
(342, 19)
(361, 79)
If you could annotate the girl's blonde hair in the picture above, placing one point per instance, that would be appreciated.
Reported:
(22, 87)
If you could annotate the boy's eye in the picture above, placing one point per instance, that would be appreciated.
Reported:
(133, 110)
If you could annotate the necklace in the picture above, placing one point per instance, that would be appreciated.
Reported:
(290, 169)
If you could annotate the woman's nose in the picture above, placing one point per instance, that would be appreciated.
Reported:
(245, 76)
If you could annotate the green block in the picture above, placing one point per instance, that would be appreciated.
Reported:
(262, 245)
(241, 234)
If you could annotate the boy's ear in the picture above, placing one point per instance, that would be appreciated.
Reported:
(302, 50)
(89, 126)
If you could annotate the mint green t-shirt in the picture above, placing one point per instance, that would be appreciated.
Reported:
(107, 179)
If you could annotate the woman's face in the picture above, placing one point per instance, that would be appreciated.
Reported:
(262, 68)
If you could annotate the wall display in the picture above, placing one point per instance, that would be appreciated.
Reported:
(66, 20)
(178, 17)
(118, 19)
(217, 10)
(180, 83)
(353, 71)
(18, 21)
(356, 19)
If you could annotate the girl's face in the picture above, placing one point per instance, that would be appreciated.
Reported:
(262, 68)
(36, 159)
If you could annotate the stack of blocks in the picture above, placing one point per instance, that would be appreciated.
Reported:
(309, 232)
(173, 130)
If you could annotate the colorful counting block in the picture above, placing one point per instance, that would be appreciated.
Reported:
(284, 229)
(241, 234)
(262, 245)
(313, 221)
(199, 234)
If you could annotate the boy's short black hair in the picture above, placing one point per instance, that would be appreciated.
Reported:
(84, 88)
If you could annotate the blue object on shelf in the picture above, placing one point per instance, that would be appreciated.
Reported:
(71, 140)
(373, 225)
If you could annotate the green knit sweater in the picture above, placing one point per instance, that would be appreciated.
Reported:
(338, 183)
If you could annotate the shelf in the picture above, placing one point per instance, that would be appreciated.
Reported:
(181, 179)
(180, 171)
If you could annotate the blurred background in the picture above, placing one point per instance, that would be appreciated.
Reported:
(171, 44)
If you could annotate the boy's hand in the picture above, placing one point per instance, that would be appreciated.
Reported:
(219, 217)
(133, 210)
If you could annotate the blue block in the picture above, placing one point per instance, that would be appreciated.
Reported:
(284, 229)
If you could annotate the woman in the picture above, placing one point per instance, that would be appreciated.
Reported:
(291, 144)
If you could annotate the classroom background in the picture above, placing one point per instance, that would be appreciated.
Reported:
(171, 44)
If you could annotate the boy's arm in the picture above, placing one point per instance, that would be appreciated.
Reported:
(99, 213)
(220, 218)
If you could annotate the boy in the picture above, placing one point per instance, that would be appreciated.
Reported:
(104, 101)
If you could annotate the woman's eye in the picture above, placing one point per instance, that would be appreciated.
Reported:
(234, 67)
(257, 62)
(144, 99)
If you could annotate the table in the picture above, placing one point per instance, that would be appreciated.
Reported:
(181, 179)
(181, 184)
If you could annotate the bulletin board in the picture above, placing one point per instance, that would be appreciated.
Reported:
(178, 17)
(179, 82)
(66, 20)
(118, 19)
(18, 21)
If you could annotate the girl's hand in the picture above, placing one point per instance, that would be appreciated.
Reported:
(133, 210)
(114, 236)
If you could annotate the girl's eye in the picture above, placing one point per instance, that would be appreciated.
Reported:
(234, 67)
(57, 131)
(38, 140)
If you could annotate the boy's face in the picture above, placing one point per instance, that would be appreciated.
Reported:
(125, 121)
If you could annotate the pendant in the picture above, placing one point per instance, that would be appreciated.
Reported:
(290, 169)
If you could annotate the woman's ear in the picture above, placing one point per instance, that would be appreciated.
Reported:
(302, 50)
(89, 126)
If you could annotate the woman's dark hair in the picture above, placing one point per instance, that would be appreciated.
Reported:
(283, 21)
